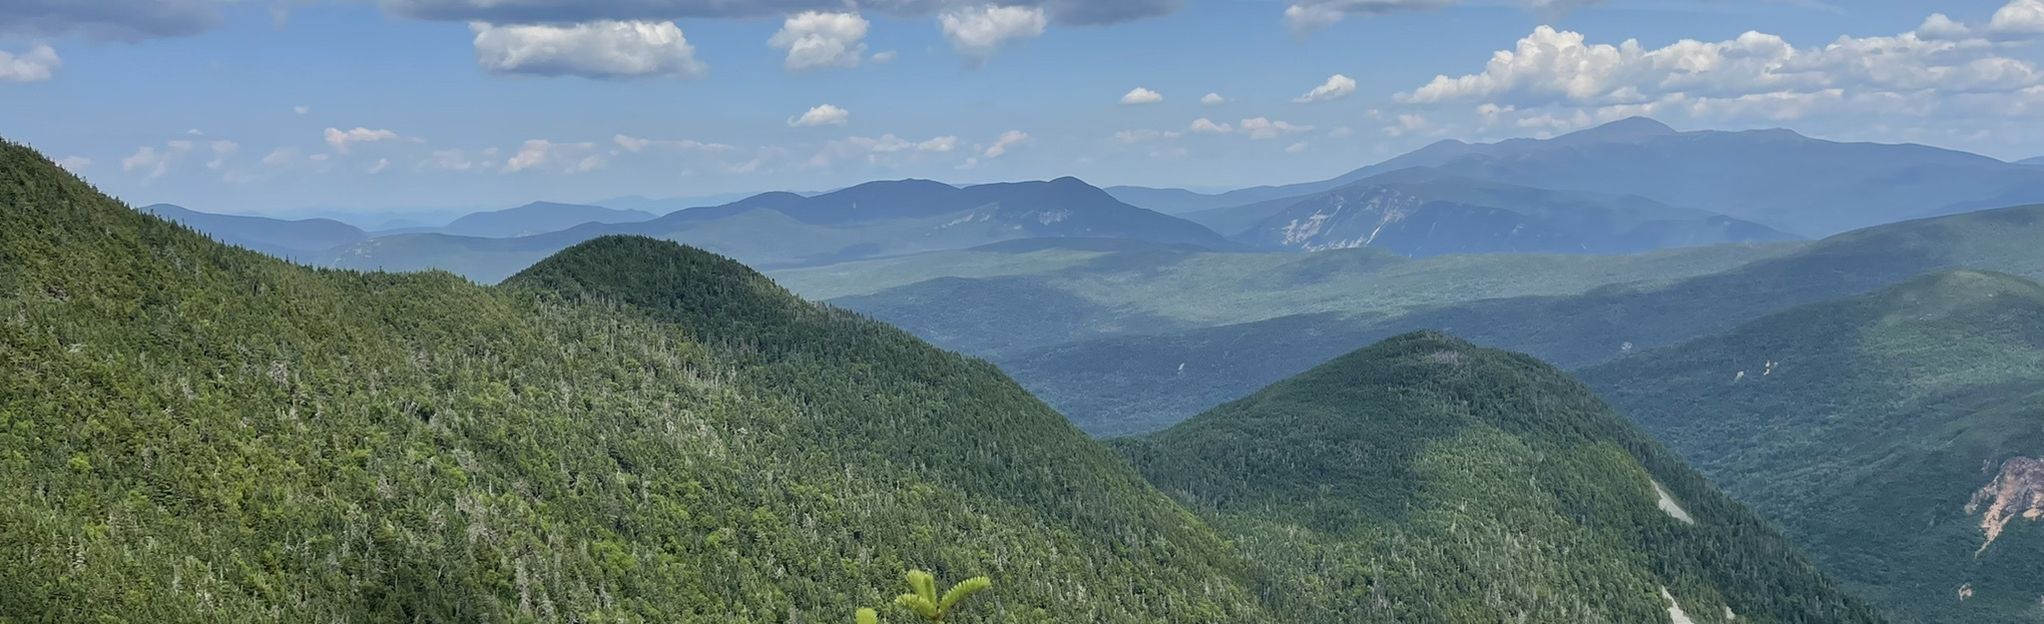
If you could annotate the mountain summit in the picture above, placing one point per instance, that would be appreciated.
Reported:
(1427, 480)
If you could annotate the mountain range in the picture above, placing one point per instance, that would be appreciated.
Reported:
(786, 229)
(537, 218)
(298, 239)
(1422, 212)
(1808, 187)
(633, 430)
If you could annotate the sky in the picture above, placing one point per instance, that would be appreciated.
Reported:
(286, 107)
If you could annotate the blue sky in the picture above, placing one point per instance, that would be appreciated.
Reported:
(272, 107)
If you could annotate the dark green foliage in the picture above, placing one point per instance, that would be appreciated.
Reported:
(1864, 427)
(1426, 480)
(195, 433)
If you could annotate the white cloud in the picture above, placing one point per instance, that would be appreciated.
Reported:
(1007, 140)
(1261, 128)
(1552, 67)
(1407, 123)
(886, 150)
(343, 140)
(75, 164)
(635, 145)
(1068, 12)
(1207, 126)
(222, 150)
(37, 64)
(154, 162)
(1130, 137)
(819, 40)
(572, 157)
(882, 58)
(2020, 18)
(1336, 87)
(1297, 148)
(979, 32)
(302, 110)
(283, 157)
(824, 115)
(1213, 99)
(447, 160)
(1937, 27)
(1142, 95)
(378, 167)
(601, 49)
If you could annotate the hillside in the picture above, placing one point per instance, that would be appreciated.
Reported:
(278, 237)
(538, 218)
(1426, 480)
(633, 431)
(1787, 181)
(1129, 384)
(1419, 212)
(1894, 435)
(876, 219)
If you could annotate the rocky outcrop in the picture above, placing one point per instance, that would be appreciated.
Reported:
(2017, 492)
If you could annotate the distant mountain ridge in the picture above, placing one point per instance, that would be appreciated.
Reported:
(538, 218)
(300, 239)
(1422, 212)
(1805, 186)
(785, 229)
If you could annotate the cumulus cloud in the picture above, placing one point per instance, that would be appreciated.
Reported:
(1207, 126)
(885, 151)
(1131, 137)
(154, 162)
(107, 19)
(979, 31)
(1006, 141)
(1213, 99)
(1261, 128)
(635, 145)
(343, 140)
(37, 64)
(819, 40)
(1552, 66)
(2019, 19)
(824, 115)
(1336, 87)
(567, 157)
(1075, 12)
(1141, 95)
(600, 49)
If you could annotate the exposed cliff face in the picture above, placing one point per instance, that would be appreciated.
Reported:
(2018, 491)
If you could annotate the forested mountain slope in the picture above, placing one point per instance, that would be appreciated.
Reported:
(1426, 480)
(195, 433)
(1898, 436)
(1130, 384)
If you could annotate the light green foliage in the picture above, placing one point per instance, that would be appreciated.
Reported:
(1864, 426)
(923, 601)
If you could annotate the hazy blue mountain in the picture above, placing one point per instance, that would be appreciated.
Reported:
(785, 229)
(1421, 212)
(1137, 383)
(1174, 201)
(538, 218)
(1894, 435)
(664, 205)
(290, 239)
(1785, 180)
(2031, 161)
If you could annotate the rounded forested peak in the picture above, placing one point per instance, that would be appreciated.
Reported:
(623, 252)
